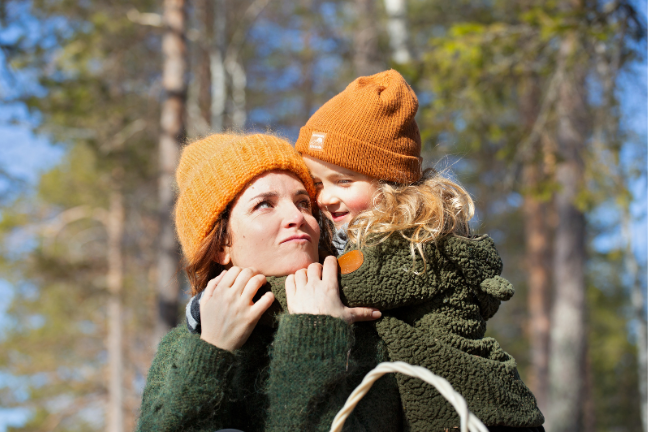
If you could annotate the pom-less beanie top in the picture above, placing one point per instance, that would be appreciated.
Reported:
(369, 128)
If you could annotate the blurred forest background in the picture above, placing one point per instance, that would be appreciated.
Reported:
(537, 106)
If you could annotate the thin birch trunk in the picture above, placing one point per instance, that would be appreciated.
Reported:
(238, 78)
(366, 57)
(115, 231)
(639, 309)
(173, 130)
(205, 10)
(397, 30)
(198, 106)
(307, 60)
(567, 343)
(217, 65)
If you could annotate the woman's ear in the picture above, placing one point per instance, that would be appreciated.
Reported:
(224, 257)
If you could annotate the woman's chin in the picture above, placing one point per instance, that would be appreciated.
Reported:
(291, 264)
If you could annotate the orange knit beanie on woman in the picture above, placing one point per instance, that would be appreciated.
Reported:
(369, 128)
(215, 169)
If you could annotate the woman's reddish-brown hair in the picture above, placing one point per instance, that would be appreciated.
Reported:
(203, 265)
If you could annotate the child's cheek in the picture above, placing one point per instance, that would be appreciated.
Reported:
(358, 203)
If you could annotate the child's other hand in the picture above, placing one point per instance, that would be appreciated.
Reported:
(315, 291)
(227, 313)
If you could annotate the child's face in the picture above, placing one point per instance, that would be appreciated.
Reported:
(342, 193)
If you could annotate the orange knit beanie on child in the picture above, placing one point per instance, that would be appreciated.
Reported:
(214, 170)
(369, 128)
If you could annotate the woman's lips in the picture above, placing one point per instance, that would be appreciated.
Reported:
(300, 238)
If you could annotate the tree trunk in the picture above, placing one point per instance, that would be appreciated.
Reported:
(568, 334)
(589, 410)
(173, 131)
(217, 65)
(205, 9)
(366, 56)
(115, 231)
(537, 233)
(397, 30)
(307, 61)
(639, 309)
(237, 74)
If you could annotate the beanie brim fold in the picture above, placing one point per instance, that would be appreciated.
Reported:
(362, 157)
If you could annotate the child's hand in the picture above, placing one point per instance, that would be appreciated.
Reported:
(227, 313)
(315, 291)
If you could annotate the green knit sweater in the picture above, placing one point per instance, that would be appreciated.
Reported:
(295, 376)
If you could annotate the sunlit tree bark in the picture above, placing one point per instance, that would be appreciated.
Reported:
(115, 230)
(173, 129)
(397, 30)
(639, 308)
(537, 241)
(366, 56)
(568, 334)
(217, 67)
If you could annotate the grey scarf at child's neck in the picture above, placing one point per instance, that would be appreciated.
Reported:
(340, 238)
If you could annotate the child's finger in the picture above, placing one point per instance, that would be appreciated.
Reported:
(361, 314)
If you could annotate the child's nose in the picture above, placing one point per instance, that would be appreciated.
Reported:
(326, 198)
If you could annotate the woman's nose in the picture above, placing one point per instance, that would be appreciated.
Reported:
(294, 216)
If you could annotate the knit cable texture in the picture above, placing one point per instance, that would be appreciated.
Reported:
(292, 377)
(368, 128)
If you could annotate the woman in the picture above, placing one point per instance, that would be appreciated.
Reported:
(245, 218)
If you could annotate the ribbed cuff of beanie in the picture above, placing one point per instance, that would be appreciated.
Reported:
(311, 337)
(362, 157)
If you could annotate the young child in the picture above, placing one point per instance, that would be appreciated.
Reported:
(410, 254)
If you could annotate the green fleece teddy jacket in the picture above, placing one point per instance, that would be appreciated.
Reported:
(437, 319)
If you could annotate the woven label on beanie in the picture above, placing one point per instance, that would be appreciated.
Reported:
(317, 141)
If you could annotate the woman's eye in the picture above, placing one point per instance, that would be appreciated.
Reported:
(305, 204)
(318, 185)
(263, 204)
(344, 182)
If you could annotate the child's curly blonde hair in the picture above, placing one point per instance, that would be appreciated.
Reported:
(421, 212)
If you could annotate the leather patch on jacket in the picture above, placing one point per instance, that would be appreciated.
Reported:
(350, 261)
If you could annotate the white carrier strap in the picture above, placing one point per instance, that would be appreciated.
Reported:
(468, 420)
